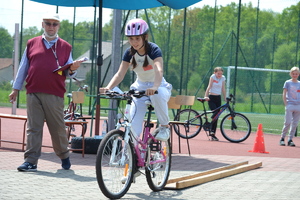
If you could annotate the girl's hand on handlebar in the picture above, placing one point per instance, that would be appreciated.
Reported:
(103, 90)
(151, 91)
(206, 98)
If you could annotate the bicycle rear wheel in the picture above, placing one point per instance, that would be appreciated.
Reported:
(115, 159)
(191, 124)
(158, 170)
(235, 127)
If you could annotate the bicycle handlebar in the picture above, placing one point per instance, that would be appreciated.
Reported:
(228, 99)
(128, 95)
(85, 87)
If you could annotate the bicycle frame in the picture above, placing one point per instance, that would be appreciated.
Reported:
(139, 151)
(122, 155)
(221, 109)
(235, 127)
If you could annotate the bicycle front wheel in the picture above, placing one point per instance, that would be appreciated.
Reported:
(235, 127)
(115, 165)
(159, 165)
(191, 124)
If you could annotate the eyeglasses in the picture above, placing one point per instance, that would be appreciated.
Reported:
(53, 24)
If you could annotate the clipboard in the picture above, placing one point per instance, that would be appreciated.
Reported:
(67, 66)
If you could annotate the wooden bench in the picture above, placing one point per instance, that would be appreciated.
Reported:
(19, 117)
(23, 117)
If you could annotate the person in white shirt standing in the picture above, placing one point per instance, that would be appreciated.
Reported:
(215, 88)
(145, 59)
(291, 100)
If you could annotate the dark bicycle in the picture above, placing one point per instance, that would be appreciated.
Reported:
(235, 127)
(74, 110)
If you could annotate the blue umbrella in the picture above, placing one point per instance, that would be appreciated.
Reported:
(121, 5)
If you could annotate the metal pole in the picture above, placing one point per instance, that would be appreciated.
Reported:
(237, 47)
(167, 47)
(15, 62)
(21, 41)
(99, 64)
(182, 51)
(213, 36)
(115, 62)
(92, 57)
(255, 52)
(73, 36)
(188, 63)
(273, 53)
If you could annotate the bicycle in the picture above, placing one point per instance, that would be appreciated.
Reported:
(121, 154)
(74, 113)
(235, 127)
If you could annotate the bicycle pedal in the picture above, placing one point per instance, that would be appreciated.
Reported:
(155, 146)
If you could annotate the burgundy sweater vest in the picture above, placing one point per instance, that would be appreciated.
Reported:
(42, 62)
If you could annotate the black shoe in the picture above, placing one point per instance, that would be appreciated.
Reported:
(291, 143)
(27, 167)
(281, 142)
(213, 137)
(65, 163)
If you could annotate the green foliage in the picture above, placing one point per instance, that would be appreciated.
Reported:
(6, 44)
(5, 85)
(269, 41)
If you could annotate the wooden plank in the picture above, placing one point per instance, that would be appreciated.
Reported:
(10, 116)
(207, 172)
(211, 176)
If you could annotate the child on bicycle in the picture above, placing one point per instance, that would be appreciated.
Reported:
(291, 100)
(215, 88)
(145, 59)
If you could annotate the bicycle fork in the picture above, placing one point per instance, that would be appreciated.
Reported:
(114, 152)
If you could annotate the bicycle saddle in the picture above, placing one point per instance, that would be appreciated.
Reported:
(201, 99)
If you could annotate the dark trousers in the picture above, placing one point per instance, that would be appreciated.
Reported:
(213, 103)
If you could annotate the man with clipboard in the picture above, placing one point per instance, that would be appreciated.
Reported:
(45, 90)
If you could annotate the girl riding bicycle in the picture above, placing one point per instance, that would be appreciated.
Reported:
(145, 59)
(215, 88)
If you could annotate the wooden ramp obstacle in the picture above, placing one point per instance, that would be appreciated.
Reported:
(210, 175)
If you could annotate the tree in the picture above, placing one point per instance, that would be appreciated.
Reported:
(6, 44)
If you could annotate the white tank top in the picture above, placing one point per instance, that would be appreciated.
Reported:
(217, 84)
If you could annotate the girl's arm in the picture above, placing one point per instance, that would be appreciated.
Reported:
(224, 90)
(158, 70)
(118, 77)
(208, 88)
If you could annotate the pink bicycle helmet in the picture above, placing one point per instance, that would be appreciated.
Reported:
(136, 27)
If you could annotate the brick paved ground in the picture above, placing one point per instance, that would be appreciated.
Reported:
(278, 178)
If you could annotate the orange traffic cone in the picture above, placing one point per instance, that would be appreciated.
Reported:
(259, 145)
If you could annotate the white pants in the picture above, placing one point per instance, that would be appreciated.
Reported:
(159, 102)
(292, 116)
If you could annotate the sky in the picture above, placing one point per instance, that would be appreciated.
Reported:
(10, 11)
